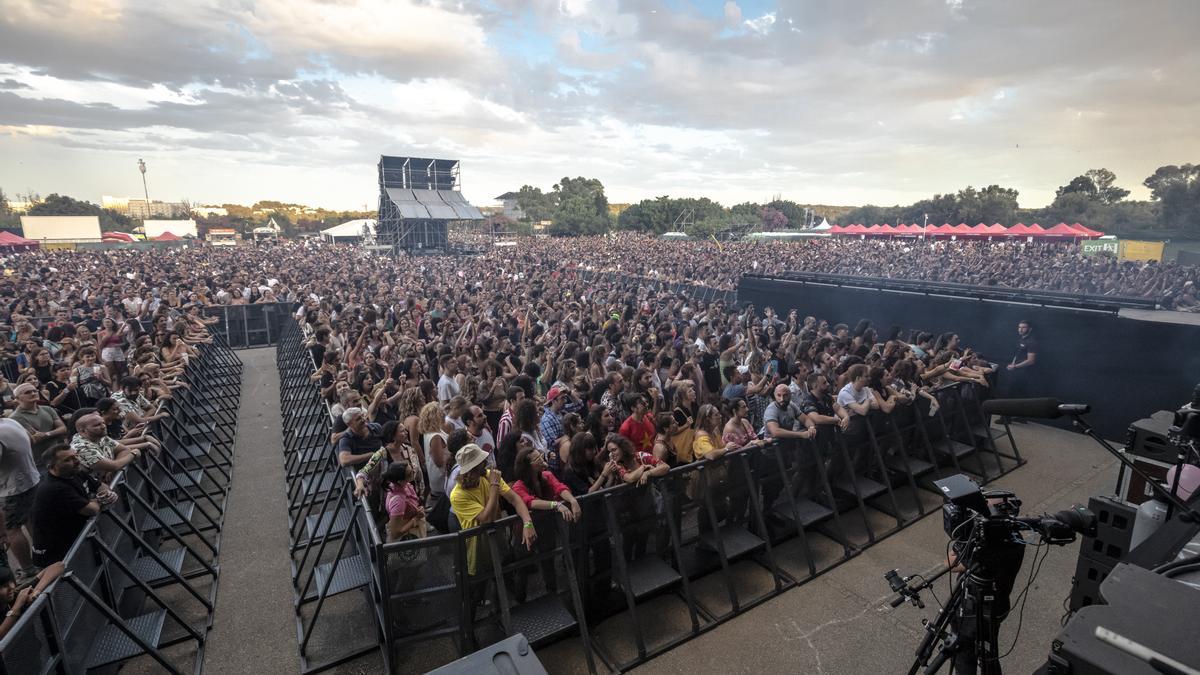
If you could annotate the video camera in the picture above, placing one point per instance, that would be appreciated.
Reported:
(999, 511)
(985, 528)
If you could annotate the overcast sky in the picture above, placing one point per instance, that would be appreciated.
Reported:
(820, 101)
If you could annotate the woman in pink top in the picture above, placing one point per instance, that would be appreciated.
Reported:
(406, 517)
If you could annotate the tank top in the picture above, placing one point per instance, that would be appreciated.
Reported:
(437, 477)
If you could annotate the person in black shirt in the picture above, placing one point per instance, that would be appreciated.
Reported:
(63, 504)
(1022, 370)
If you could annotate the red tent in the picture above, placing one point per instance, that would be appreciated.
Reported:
(1088, 233)
(16, 241)
(854, 229)
(1061, 230)
(979, 230)
(836, 229)
(996, 230)
(960, 229)
(939, 230)
(1036, 230)
(908, 229)
(117, 236)
(1019, 230)
(890, 230)
(167, 236)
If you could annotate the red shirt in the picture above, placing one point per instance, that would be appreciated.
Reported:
(556, 487)
(640, 432)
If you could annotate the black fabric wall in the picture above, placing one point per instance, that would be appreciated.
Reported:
(1125, 368)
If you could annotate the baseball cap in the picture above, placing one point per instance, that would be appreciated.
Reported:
(553, 394)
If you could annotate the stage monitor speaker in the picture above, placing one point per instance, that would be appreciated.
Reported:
(1099, 554)
(1147, 446)
(511, 656)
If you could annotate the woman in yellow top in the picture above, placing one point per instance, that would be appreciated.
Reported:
(707, 444)
(476, 499)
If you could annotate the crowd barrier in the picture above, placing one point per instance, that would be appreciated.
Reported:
(142, 575)
(644, 568)
(695, 291)
(256, 325)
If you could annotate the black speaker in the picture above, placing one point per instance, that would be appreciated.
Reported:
(511, 656)
(1099, 554)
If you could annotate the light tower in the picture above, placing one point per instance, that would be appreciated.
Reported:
(145, 191)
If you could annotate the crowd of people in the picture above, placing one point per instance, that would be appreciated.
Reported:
(79, 400)
(465, 388)
(41, 283)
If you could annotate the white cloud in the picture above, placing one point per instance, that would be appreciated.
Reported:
(762, 24)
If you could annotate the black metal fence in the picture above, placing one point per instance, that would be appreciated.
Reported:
(257, 325)
(695, 291)
(142, 576)
(646, 567)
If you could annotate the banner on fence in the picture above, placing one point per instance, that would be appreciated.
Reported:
(1141, 250)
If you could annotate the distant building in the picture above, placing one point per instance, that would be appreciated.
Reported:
(141, 210)
(118, 204)
(20, 207)
(511, 210)
(615, 210)
(209, 211)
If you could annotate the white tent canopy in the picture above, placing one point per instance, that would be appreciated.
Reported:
(348, 230)
(824, 225)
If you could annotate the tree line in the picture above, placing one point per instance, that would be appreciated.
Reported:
(577, 206)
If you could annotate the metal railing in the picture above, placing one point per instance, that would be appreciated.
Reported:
(695, 291)
(750, 525)
(256, 325)
(1023, 295)
(141, 573)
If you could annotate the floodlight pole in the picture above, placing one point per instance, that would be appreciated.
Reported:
(145, 190)
(924, 225)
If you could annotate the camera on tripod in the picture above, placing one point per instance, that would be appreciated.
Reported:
(986, 531)
(997, 511)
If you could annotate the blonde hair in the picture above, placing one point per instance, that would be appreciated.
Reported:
(431, 418)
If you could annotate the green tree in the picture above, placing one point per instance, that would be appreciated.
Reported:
(62, 205)
(1177, 190)
(535, 204)
(793, 212)
(1106, 192)
(1079, 185)
(580, 207)
(8, 219)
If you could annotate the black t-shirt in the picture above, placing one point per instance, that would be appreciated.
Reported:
(55, 518)
(1025, 346)
(318, 354)
(710, 366)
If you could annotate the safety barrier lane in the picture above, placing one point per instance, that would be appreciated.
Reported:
(644, 568)
(140, 581)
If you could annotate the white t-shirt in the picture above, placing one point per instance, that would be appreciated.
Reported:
(848, 395)
(447, 388)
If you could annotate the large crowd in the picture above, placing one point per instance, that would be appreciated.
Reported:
(464, 388)
(40, 283)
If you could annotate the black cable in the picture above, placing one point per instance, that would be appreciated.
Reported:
(1033, 572)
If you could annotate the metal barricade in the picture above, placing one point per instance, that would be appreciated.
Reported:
(142, 575)
(644, 568)
(247, 326)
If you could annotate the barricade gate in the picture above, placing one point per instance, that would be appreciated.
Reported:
(142, 575)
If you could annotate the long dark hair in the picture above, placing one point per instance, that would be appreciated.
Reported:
(396, 474)
(523, 471)
(578, 462)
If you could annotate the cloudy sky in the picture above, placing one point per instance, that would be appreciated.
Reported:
(820, 101)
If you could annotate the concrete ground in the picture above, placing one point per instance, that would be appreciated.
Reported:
(253, 626)
(840, 622)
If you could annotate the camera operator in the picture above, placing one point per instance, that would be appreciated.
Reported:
(1002, 564)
